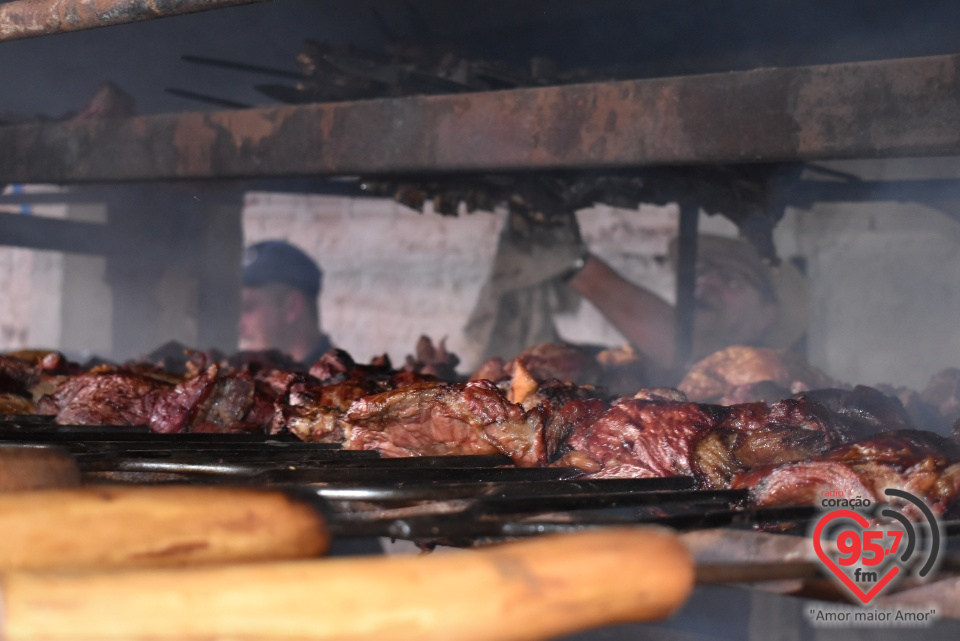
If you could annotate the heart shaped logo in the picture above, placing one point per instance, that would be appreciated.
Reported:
(855, 589)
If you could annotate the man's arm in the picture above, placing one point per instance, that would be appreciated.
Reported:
(643, 317)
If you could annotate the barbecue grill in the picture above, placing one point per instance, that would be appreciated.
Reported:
(464, 501)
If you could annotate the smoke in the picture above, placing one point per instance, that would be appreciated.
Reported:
(884, 277)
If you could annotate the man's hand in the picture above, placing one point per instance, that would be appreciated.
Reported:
(531, 252)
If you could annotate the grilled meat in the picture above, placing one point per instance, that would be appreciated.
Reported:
(433, 360)
(902, 447)
(16, 378)
(910, 460)
(105, 396)
(334, 363)
(562, 408)
(235, 404)
(918, 462)
(311, 410)
(540, 409)
(756, 435)
(436, 418)
(861, 412)
(545, 362)
(16, 404)
(178, 409)
(639, 438)
(622, 371)
(214, 401)
(27, 375)
(766, 391)
(311, 407)
(16, 375)
(719, 374)
(801, 483)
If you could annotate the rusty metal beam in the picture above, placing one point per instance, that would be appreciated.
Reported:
(30, 18)
(907, 107)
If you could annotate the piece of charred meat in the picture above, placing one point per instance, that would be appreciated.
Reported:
(544, 362)
(217, 401)
(562, 408)
(755, 435)
(105, 396)
(311, 410)
(436, 418)
(16, 374)
(922, 463)
(237, 403)
(910, 460)
(311, 406)
(863, 411)
(766, 391)
(178, 409)
(16, 403)
(433, 360)
(641, 439)
(736, 371)
(922, 414)
(28, 375)
(623, 371)
(16, 378)
(802, 483)
(213, 401)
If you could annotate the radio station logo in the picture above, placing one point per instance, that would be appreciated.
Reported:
(868, 552)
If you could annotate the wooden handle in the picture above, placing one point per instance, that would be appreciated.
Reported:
(34, 467)
(535, 589)
(154, 526)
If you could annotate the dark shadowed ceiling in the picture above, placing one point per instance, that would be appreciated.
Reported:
(53, 75)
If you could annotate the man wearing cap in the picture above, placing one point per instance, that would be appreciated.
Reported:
(279, 303)
(740, 300)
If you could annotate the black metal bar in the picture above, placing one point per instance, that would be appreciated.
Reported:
(550, 503)
(409, 492)
(31, 18)
(58, 198)
(303, 467)
(470, 523)
(283, 93)
(416, 475)
(242, 66)
(804, 193)
(906, 107)
(282, 451)
(202, 97)
(37, 232)
(686, 284)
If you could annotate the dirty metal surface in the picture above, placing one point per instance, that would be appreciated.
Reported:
(904, 107)
(30, 18)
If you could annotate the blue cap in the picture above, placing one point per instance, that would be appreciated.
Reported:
(276, 261)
